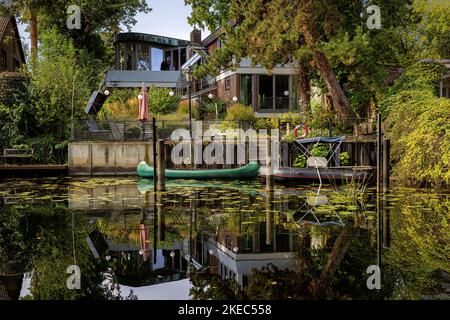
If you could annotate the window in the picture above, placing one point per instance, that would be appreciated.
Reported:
(266, 92)
(274, 92)
(228, 83)
(282, 92)
(246, 89)
(3, 58)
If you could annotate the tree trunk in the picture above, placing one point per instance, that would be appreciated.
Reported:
(33, 34)
(340, 101)
(320, 286)
(304, 86)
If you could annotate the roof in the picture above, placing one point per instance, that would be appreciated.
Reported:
(212, 37)
(4, 21)
(151, 39)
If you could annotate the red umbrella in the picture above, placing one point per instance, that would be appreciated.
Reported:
(143, 104)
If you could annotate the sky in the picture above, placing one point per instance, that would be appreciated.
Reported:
(168, 18)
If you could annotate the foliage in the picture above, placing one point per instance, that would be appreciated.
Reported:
(294, 118)
(344, 158)
(208, 106)
(133, 132)
(418, 244)
(300, 161)
(417, 122)
(122, 105)
(13, 87)
(239, 113)
(37, 237)
(266, 123)
(320, 150)
(55, 72)
(99, 23)
(160, 102)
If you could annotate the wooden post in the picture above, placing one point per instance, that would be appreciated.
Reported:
(379, 134)
(269, 175)
(161, 217)
(386, 164)
(155, 176)
(269, 216)
(161, 166)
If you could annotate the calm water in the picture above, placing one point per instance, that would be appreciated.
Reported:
(230, 240)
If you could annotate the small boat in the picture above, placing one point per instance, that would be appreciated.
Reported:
(246, 172)
(306, 175)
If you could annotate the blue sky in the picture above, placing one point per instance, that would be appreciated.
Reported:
(168, 18)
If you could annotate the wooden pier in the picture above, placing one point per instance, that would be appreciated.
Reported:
(33, 170)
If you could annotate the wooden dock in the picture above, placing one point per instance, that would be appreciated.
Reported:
(32, 170)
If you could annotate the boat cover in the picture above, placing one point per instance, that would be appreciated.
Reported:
(320, 140)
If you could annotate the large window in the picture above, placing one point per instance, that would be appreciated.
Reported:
(266, 92)
(246, 89)
(274, 92)
(282, 92)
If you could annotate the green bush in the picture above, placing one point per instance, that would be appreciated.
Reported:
(320, 150)
(133, 133)
(208, 106)
(160, 102)
(265, 123)
(418, 124)
(344, 157)
(238, 113)
(300, 161)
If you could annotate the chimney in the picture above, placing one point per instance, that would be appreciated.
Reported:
(196, 36)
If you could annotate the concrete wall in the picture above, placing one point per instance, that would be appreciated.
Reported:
(107, 158)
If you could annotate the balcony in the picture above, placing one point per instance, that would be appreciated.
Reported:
(275, 105)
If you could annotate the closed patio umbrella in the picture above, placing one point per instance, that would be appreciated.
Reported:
(144, 239)
(143, 104)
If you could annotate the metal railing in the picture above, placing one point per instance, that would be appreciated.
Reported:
(113, 130)
(276, 104)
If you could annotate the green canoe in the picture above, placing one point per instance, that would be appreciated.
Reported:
(245, 172)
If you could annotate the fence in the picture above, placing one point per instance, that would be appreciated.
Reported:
(113, 130)
(93, 130)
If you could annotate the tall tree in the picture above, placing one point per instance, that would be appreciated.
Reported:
(106, 16)
(282, 31)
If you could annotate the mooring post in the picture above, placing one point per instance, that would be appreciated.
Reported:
(161, 165)
(155, 173)
(269, 173)
(379, 159)
(161, 217)
(269, 216)
(386, 164)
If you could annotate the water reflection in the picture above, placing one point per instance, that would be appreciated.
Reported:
(230, 240)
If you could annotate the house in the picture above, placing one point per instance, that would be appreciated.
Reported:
(141, 58)
(268, 93)
(12, 56)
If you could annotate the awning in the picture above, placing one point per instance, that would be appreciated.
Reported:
(320, 140)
